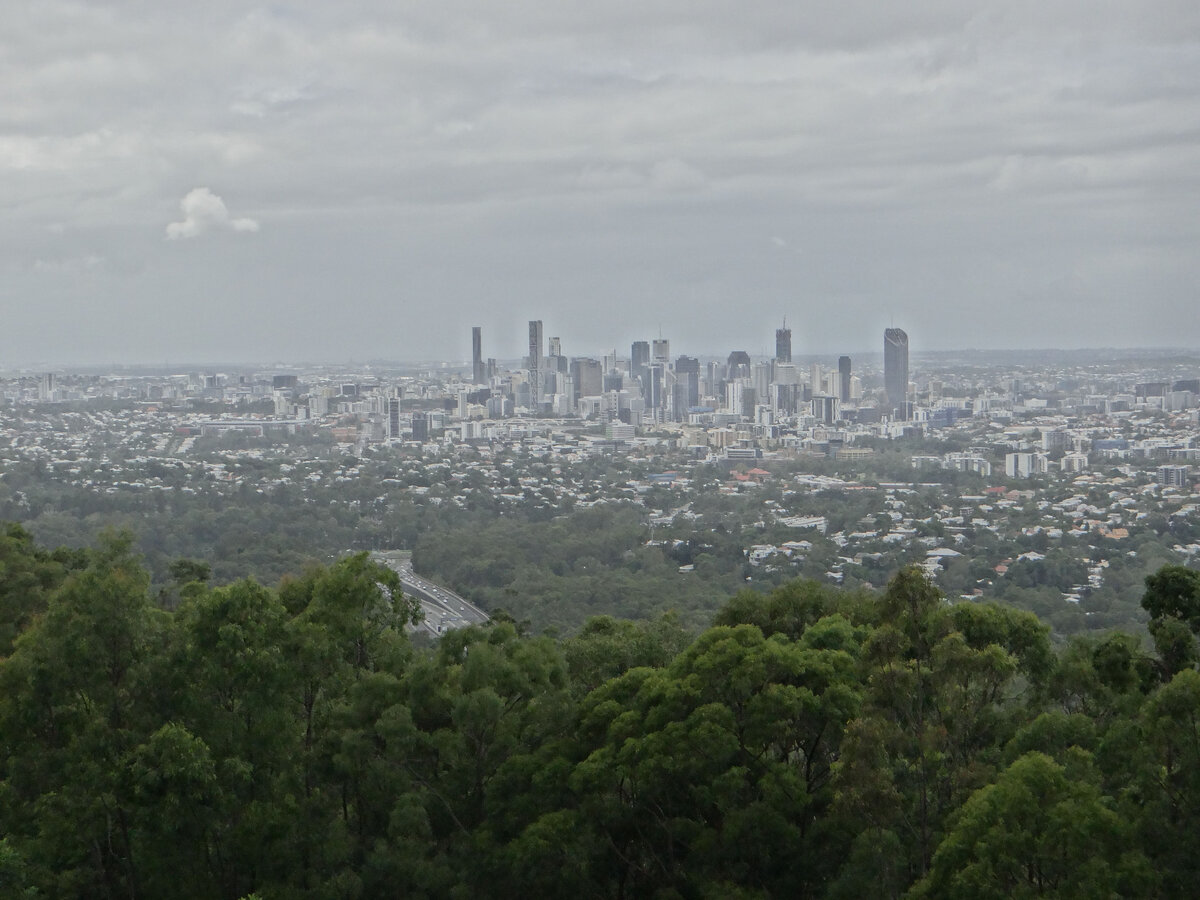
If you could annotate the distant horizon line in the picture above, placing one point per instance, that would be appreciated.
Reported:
(47, 365)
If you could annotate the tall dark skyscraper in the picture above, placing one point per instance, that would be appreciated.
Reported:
(738, 365)
(393, 423)
(895, 368)
(655, 377)
(639, 360)
(687, 374)
(478, 374)
(783, 343)
(844, 379)
(639, 354)
(420, 426)
(536, 344)
(536, 363)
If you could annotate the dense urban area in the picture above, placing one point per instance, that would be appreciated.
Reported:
(1054, 482)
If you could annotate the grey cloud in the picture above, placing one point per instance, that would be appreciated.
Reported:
(530, 157)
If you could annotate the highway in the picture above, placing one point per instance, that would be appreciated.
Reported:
(443, 608)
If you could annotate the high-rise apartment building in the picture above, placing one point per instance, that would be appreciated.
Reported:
(825, 409)
(478, 374)
(895, 368)
(1175, 476)
(1025, 464)
(783, 343)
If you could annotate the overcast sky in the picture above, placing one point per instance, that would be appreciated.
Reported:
(216, 181)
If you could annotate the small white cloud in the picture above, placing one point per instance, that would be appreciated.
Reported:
(202, 211)
(778, 241)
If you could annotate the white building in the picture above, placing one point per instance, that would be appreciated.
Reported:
(1024, 465)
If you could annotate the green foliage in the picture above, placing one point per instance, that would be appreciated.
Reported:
(1174, 591)
(1038, 831)
(606, 647)
(562, 572)
(812, 742)
(28, 575)
(787, 610)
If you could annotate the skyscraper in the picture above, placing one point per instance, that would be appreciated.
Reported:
(393, 413)
(535, 344)
(783, 343)
(535, 362)
(844, 379)
(555, 361)
(639, 360)
(477, 372)
(656, 375)
(895, 368)
(588, 376)
(420, 426)
(639, 355)
(738, 365)
(687, 373)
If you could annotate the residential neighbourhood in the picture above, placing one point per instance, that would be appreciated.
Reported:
(1058, 489)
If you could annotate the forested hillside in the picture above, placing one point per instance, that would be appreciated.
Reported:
(291, 742)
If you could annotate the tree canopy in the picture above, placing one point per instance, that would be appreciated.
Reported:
(293, 741)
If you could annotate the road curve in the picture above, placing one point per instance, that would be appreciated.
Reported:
(443, 608)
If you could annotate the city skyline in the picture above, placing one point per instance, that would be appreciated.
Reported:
(230, 183)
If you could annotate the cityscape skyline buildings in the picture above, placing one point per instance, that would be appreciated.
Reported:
(647, 386)
(540, 351)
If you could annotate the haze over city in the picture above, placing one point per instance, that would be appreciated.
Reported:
(222, 182)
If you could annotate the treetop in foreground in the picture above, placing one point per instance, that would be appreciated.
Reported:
(813, 742)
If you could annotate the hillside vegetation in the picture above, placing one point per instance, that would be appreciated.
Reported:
(293, 742)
